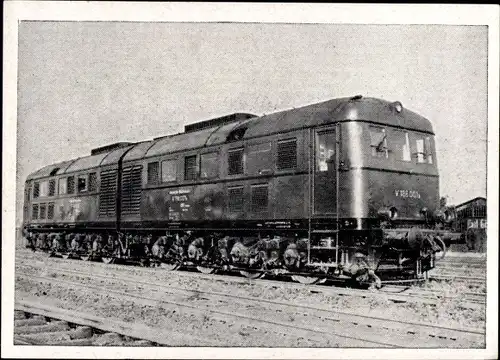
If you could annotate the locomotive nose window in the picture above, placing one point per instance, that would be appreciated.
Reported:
(401, 142)
(378, 143)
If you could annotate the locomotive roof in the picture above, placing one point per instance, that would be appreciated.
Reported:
(83, 163)
(327, 112)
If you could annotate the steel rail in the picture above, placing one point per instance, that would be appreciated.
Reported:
(295, 306)
(154, 302)
(395, 297)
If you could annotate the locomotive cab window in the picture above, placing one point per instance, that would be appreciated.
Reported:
(424, 150)
(235, 161)
(82, 183)
(401, 142)
(378, 142)
(325, 146)
(168, 170)
(209, 166)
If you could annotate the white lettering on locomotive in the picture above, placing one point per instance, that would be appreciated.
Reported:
(407, 194)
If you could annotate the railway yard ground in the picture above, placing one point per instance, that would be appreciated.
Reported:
(73, 302)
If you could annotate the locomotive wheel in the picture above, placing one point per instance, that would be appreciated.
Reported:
(108, 260)
(307, 280)
(205, 270)
(170, 266)
(252, 274)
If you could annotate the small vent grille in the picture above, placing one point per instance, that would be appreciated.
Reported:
(107, 196)
(36, 190)
(52, 187)
(71, 185)
(236, 200)
(50, 211)
(43, 209)
(190, 167)
(34, 212)
(235, 161)
(153, 173)
(259, 198)
(287, 154)
(131, 190)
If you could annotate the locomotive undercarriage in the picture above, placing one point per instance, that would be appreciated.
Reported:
(356, 256)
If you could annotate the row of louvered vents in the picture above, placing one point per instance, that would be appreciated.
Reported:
(131, 192)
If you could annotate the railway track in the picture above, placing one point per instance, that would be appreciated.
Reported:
(394, 293)
(38, 324)
(360, 329)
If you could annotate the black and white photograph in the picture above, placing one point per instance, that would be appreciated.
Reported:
(250, 180)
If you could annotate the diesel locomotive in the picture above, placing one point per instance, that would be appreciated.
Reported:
(343, 189)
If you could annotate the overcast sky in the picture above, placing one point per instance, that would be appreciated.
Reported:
(87, 84)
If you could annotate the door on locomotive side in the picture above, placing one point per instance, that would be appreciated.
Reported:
(325, 172)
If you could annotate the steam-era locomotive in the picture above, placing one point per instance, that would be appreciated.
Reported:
(343, 189)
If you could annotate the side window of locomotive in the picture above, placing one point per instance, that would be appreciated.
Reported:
(325, 151)
(153, 173)
(401, 142)
(36, 190)
(168, 170)
(92, 182)
(378, 142)
(82, 183)
(44, 188)
(71, 184)
(235, 161)
(190, 169)
(209, 166)
(52, 187)
(287, 154)
(34, 212)
(63, 184)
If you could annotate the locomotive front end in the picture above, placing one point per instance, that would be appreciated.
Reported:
(394, 188)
